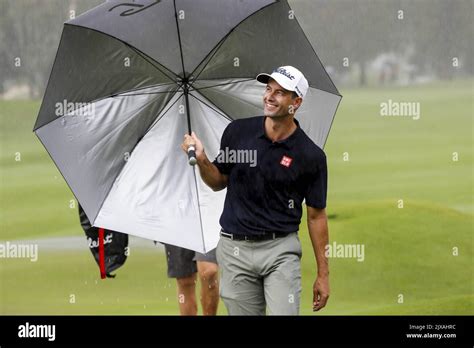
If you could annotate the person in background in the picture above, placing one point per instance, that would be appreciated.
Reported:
(186, 266)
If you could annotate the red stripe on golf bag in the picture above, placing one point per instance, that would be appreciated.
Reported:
(101, 253)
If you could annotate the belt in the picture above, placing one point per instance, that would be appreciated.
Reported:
(266, 236)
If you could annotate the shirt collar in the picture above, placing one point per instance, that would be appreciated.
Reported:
(285, 142)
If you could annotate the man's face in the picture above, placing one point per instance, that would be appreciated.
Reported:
(279, 102)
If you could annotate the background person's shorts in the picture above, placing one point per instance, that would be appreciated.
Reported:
(182, 262)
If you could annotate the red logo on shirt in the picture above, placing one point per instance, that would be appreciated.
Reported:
(286, 161)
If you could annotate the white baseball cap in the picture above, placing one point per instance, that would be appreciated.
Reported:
(289, 78)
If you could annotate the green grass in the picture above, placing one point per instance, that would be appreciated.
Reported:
(140, 287)
(408, 251)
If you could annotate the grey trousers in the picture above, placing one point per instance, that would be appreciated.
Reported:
(259, 275)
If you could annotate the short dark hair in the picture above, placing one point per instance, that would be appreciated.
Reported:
(294, 95)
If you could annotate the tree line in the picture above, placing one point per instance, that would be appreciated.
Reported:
(435, 35)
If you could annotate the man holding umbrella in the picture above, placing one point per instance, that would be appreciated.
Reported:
(259, 251)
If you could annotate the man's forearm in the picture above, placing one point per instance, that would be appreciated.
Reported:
(210, 174)
(318, 231)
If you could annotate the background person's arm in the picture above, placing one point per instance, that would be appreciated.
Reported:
(210, 174)
(318, 232)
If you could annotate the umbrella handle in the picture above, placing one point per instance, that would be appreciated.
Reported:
(192, 155)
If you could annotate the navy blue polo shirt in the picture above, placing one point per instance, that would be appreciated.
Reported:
(268, 181)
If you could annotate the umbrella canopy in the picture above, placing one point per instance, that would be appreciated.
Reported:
(130, 78)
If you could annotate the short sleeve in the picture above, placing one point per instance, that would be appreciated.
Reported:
(219, 161)
(316, 190)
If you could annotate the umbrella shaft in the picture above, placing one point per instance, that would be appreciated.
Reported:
(188, 111)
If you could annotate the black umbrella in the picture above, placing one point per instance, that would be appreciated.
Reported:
(130, 78)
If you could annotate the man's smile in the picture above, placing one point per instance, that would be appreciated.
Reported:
(270, 106)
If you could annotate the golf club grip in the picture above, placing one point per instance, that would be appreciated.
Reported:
(192, 155)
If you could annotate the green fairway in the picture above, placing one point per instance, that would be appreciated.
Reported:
(393, 188)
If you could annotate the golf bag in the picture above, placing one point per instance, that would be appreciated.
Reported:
(115, 245)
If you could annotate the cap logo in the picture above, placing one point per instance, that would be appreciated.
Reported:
(284, 73)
